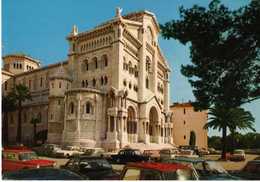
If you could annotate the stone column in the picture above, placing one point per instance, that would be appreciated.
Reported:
(78, 114)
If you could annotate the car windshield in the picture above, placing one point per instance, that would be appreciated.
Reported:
(94, 164)
(238, 152)
(27, 156)
(68, 148)
(209, 167)
(180, 174)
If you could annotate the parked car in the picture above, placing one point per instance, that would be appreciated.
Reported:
(47, 150)
(203, 151)
(67, 151)
(129, 155)
(93, 168)
(42, 174)
(157, 171)
(152, 154)
(188, 151)
(213, 151)
(97, 152)
(204, 169)
(16, 159)
(238, 155)
(168, 153)
(251, 171)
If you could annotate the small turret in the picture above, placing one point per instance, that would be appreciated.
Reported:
(60, 81)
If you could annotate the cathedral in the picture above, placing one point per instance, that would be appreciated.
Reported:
(111, 92)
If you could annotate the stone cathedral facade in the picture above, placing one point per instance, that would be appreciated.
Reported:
(112, 91)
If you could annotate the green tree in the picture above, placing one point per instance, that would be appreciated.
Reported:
(20, 93)
(35, 121)
(8, 105)
(242, 120)
(224, 50)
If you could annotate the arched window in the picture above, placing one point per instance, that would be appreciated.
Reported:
(104, 60)
(105, 80)
(89, 108)
(148, 64)
(95, 62)
(86, 65)
(101, 80)
(83, 83)
(86, 83)
(147, 82)
(94, 82)
(71, 108)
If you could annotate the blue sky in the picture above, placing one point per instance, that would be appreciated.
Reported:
(39, 27)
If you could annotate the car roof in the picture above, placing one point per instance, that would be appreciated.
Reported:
(188, 159)
(16, 150)
(88, 157)
(164, 167)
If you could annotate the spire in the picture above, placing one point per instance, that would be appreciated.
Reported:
(74, 30)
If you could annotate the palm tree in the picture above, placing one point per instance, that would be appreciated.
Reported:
(229, 118)
(20, 93)
(35, 121)
(242, 120)
(8, 105)
(218, 120)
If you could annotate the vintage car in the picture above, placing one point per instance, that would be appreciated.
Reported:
(42, 174)
(203, 151)
(204, 169)
(16, 159)
(93, 168)
(154, 155)
(97, 152)
(157, 171)
(251, 171)
(238, 155)
(67, 151)
(47, 150)
(129, 155)
(168, 153)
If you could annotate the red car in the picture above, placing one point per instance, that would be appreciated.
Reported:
(157, 171)
(22, 158)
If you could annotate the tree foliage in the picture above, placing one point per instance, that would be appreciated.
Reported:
(225, 58)
(20, 93)
(224, 51)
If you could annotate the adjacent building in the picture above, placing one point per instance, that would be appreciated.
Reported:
(112, 91)
(188, 125)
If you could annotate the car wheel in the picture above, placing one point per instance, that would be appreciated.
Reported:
(67, 155)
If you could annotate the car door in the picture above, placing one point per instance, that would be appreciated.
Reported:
(11, 162)
(131, 174)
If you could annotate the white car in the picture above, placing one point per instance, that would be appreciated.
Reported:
(168, 153)
(67, 151)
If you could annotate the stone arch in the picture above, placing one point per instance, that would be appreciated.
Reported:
(131, 121)
(153, 123)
